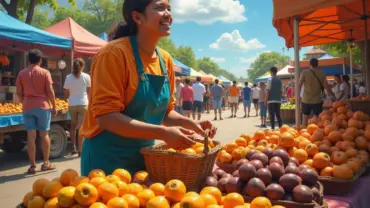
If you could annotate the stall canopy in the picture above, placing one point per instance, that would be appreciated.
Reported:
(287, 71)
(103, 36)
(194, 74)
(224, 80)
(263, 78)
(19, 34)
(84, 43)
(181, 69)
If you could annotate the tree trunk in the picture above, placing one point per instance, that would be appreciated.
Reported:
(31, 10)
(10, 8)
(366, 71)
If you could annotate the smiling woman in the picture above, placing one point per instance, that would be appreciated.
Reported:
(131, 100)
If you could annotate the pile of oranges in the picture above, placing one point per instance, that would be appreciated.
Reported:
(360, 98)
(10, 108)
(121, 190)
(334, 144)
(61, 104)
(197, 148)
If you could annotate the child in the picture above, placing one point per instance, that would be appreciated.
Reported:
(261, 102)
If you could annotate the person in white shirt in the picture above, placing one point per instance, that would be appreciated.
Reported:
(362, 89)
(199, 91)
(344, 88)
(178, 104)
(76, 87)
(255, 97)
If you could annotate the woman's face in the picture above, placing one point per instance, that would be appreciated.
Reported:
(157, 19)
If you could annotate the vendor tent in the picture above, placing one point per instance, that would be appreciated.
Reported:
(224, 80)
(263, 78)
(285, 72)
(16, 33)
(181, 69)
(194, 74)
(84, 43)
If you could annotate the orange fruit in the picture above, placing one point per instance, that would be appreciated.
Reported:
(217, 206)
(36, 202)
(191, 193)
(123, 174)
(192, 202)
(157, 188)
(107, 191)
(176, 205)
(132, 201)
(38, 186)
(240, 141)
(66, 196)
(237, 154)
(78, 180)
(52, 203)
(96, 173)
(261, 202)
(122, 187)
(171, 150)
(144, 196)
(97, 181)
(117, 202)
(189, 151)
(199, 150)
(232, 200)
(141, 176)
(98, 205)
(67, 176)
(77, 206)
(158, 202)
(86, 194)
(312, 149)
(300, 155)
(225, 157)
(56, 179)
(134, 188)
(208, 199)
(213, 191)
(112, 178)
(175, 190)
(26, 198)
(321, 160)
(51, 189)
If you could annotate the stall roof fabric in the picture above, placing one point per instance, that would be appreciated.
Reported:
(17, 31)
(84, 42)
(181, 68)
(284, 72)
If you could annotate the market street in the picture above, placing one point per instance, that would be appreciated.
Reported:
(13, 178)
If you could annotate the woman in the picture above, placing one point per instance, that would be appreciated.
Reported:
(76, 87)
(132, 94)
(187, 98)
(344, 88)
(362, 89)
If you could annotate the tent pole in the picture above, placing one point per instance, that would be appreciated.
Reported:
(297, 73)
(72, 55)
(344, 69)
(350, 66)
(367, 77)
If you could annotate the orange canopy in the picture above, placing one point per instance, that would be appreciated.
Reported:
(321, 21)
(83, 42)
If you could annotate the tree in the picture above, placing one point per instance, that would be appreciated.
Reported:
(40, 19)
(186, 55)
(18, 8)
(168, 45)
(341, 49)
(264, 62)
(208, 66)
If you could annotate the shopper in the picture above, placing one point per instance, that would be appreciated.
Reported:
(247, 99)
(199, 91)
(314, 83)
(273, 97)
(35, 91)
(261, 102)
(132, 97)
(339, 81)
(234, 99)
(178, 103)
(217, 92)
(345, 88)
(255, 97)
(187, 98)
(77, 86)
(362, 89)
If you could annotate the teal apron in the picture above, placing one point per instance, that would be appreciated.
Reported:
(109, 151)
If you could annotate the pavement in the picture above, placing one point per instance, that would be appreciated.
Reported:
(15, 183)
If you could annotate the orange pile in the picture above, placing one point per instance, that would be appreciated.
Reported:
(197, 148)
(361, 97)
(61, 104)
(8, 108)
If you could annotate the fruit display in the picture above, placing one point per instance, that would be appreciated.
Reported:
(10, 108)
(197, 148)
(361, 98)
(121, 190)
(287, 106)
(269, 173)
(61, 104)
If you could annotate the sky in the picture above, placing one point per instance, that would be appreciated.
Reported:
(231, 32)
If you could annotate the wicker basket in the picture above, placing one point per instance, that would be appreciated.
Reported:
(287, 116)
(339, 187)
(292, 204)
(228, 168)
(193, 170)
(360, 105)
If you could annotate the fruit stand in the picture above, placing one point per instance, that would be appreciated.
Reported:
(13, 138)
(287, 112)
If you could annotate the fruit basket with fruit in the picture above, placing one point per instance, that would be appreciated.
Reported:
(191, 166)
(287, 112)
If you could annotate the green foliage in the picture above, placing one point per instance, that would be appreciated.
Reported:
(40, 19)
(341, 49)
(186, 55)
(264, 62)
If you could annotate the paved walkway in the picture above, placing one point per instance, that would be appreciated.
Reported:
(14, 183)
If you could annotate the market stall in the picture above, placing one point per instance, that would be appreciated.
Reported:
(224, 80)
(181, 69)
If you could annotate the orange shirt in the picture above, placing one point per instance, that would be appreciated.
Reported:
(234, 91)
(114, 80)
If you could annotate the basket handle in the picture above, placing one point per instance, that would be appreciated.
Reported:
(206, 137)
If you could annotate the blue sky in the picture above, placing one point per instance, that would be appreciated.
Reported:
(232, 32)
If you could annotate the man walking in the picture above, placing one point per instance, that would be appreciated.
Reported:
(273, 97)
(234, 99)
(314, 82)
(255, 97)
(247, 99)
(178, 103)
(35, 91)
(199, 91)
(217, 92)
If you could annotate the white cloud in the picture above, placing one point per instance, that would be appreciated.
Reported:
(218, 59)
(200, 50)
(208, 11)
(235, 41)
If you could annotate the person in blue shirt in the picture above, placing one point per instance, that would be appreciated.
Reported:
(216, 92)
(247, 99)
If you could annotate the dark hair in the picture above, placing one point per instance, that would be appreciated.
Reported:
(273, 70)
(216, 81)
(337, 75)
(254, 85)
(129, 27)
(246, 83)
(34, 56)
(78, 67)
(234, 82)
(345, 78)
(199, 79)
(314, 62)
(362, 84)
(187, 81)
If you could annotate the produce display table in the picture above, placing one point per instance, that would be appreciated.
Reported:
(17, 119)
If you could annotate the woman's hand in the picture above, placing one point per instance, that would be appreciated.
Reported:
(200, 126)
(178, 137)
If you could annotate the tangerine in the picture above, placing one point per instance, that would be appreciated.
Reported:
(123, 174)
(117, 202)
(157, 188)
(67, 176)
(86, 194)
(132, 201)
(96, 173)
(158, 202)
(175, 190)
(66, 196)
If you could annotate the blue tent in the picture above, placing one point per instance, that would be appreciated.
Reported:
(181, 69)
(104, 36)
(14, 30)
(224, 80)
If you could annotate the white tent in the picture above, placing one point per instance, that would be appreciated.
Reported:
(284, 72)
